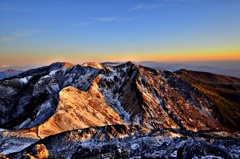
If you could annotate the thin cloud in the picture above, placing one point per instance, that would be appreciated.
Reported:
(143, 7)
(101, 19)
(17, 9)
(6, 38)
(27, 33)
(82, 24)
(6, 9)
(33, 32)
(22, 34)
(111, 19)
(181, 0)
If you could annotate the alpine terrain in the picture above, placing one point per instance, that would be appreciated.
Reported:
(123, 110)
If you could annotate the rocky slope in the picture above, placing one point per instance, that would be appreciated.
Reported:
(223, 91)
(120, 141)
(111, 103)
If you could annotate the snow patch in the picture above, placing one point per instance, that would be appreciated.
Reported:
(47, 76)
(53, 72)
(211, 157)
(137, 120)
(25, 79)
(3, 130)
(43, 106)
(14, 146)
(174, 154)
(54, 87)
(135, 146)
(24, 123)
(113, 98)
(121, 110)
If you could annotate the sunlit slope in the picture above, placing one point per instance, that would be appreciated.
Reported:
(223, 91)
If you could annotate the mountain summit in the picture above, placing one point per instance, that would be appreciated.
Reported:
(103, 103)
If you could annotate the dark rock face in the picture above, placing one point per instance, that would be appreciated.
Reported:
(112, 106)
(106, 151)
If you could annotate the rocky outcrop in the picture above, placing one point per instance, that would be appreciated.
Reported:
(106, 151)
(2, 156)
(38, 152)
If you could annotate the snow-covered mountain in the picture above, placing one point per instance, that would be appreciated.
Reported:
(102, 109)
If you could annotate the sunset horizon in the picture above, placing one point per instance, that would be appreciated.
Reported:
(43, 32)
(120, 79)
(153, 57)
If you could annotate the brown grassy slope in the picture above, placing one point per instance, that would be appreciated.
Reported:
(223, 91)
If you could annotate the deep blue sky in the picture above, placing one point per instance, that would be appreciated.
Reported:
(45, 31)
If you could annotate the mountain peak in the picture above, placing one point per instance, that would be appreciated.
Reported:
(94, 65)
(46, 69)
(12, 71)
(67, 65)
(61, 64)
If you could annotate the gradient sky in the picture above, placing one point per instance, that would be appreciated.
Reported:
(45, 31)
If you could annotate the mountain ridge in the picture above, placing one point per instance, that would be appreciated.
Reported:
(64, 97)
(101, 70)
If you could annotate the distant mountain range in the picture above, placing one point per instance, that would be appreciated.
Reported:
(113, 110)
(218, 68)
(9, 73)
(234, 72)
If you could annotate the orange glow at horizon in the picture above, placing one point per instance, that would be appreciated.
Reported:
(151, 56)
(190, 56)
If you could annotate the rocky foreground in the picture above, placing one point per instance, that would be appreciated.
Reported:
(122, 111)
